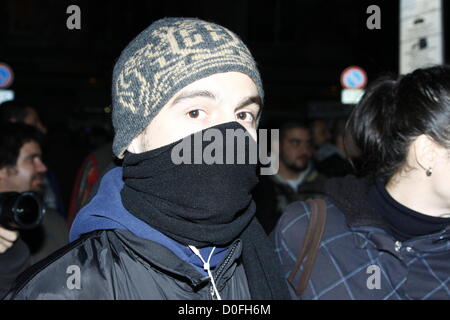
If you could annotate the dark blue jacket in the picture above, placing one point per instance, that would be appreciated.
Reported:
(358, 258)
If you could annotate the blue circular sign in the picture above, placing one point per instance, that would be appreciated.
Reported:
(6, 75)
(353, 78)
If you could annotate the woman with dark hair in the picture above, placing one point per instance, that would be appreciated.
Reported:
(387, 235)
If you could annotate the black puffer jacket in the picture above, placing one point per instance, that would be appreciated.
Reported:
(115, 264)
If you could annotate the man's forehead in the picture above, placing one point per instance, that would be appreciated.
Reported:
(298, 132)
(30, 147)
(215, 82)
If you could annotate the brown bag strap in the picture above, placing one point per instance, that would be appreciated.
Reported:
(311, 243)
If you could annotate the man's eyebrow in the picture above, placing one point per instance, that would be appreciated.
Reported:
(33, 155)
(193, 94)
(251, 100)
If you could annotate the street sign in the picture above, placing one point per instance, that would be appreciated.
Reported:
(353, 78)
(6, 75)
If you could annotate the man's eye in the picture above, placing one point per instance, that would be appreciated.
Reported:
(245, 116)
(194, 114)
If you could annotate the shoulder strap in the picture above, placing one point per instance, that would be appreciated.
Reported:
(311, 243)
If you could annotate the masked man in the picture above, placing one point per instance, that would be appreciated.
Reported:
(156, 229)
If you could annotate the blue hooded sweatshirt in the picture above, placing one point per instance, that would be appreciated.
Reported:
(105, 211)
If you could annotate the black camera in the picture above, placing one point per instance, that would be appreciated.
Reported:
(21, 211)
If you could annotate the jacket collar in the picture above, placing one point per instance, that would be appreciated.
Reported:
(157, 255)
(350, 195)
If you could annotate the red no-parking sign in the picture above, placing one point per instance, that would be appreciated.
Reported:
(354, 78)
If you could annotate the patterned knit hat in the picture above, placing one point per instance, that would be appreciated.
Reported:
(164, 58)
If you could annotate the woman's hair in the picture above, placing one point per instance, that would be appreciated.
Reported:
(392, 113)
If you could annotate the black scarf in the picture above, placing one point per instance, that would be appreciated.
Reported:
(204, 205)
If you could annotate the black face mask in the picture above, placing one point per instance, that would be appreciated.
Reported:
(195, 204)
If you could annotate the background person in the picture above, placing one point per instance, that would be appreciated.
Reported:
(330, 156)
(297, 178)
(16, 112)
(90, 172)
(22, 169)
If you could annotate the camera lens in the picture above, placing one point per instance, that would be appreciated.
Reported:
(21, 210)
(28, 211)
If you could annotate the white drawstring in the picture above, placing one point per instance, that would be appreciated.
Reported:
(207, 267)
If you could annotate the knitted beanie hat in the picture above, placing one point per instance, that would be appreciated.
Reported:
(167, 56)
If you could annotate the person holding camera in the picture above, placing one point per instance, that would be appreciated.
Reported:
(22, 171)
(19, 112)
